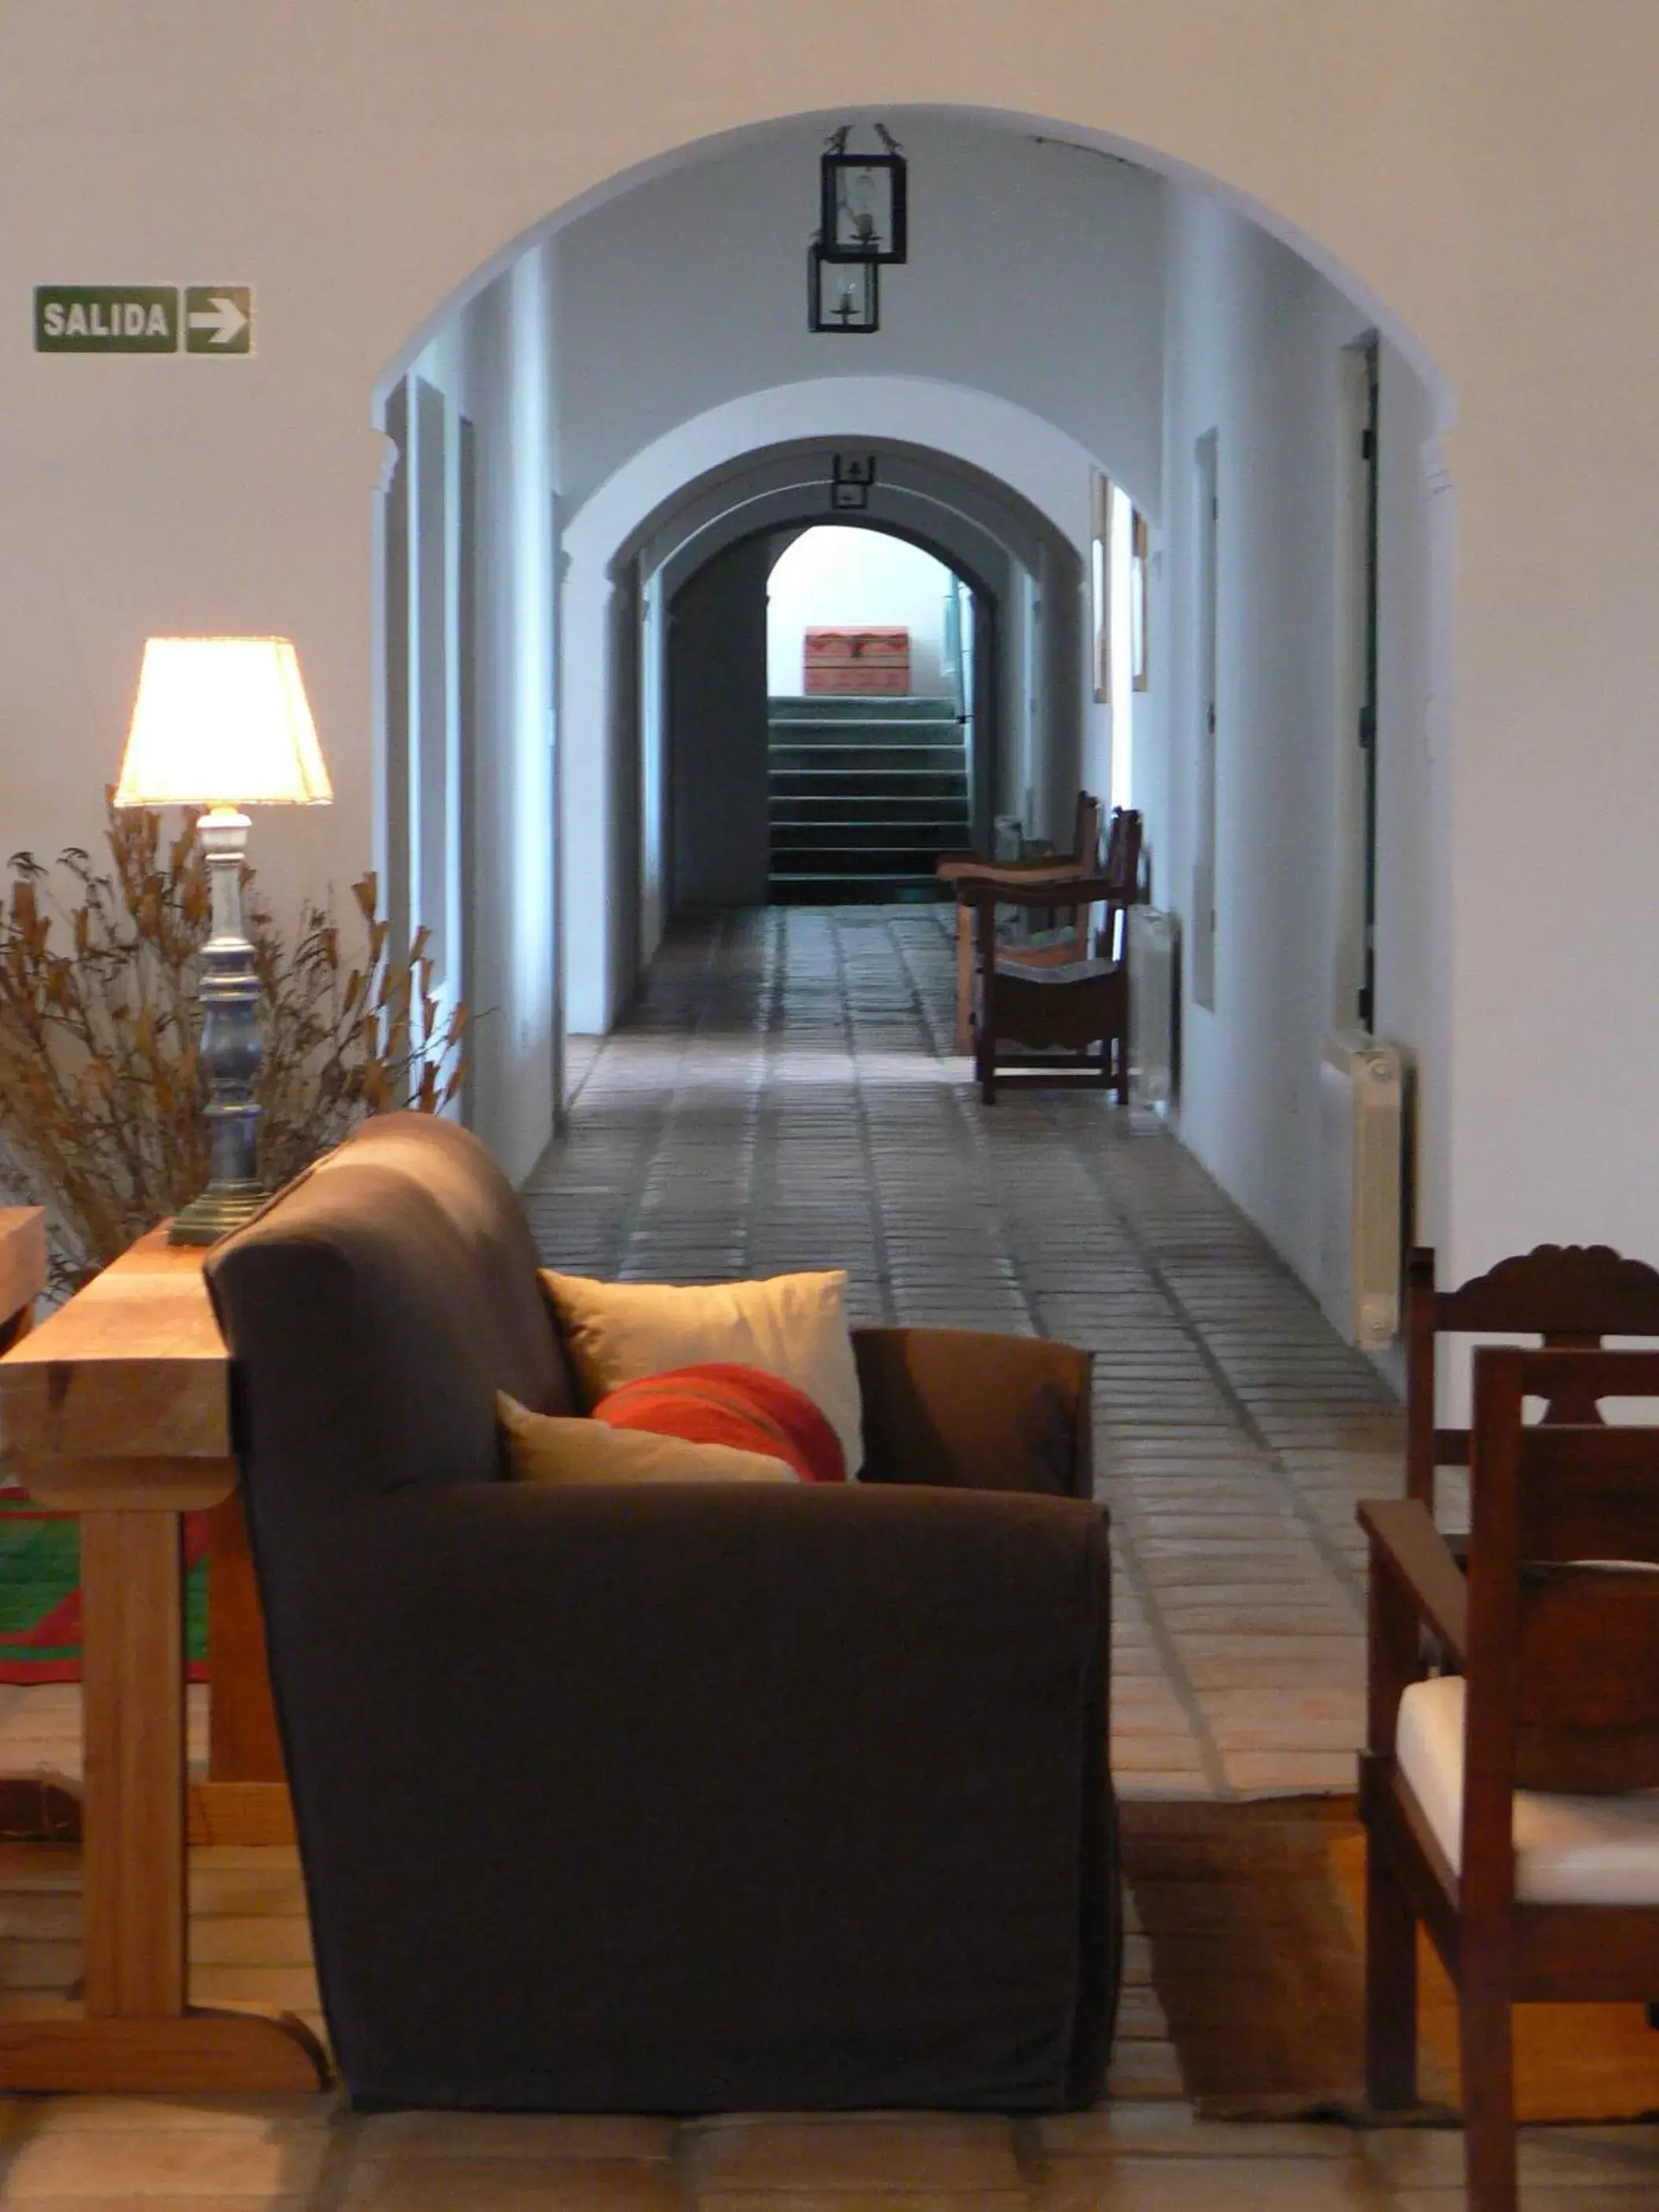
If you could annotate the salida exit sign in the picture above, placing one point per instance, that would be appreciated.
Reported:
(143, 318)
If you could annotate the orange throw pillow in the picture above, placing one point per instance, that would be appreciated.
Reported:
(719, 1402)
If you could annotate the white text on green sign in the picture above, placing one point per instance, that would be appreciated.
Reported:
(107, 318)
(143, 318)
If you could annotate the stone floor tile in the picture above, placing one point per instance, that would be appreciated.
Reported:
(1274, 1772)
(1621, 2160)
(865, 2200)
(545, 2135)
(272, 2118)
(857, 2152)
(511, 2185)
(1210, 2185)
(181, 2163)
(165, 2199)
(1169, 2130)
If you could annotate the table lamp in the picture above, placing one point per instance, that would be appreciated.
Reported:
(222, 723)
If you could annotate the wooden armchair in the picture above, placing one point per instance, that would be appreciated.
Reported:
(961, 868)
(1571, 1295)
(1513, 1810)
(1065, 1024)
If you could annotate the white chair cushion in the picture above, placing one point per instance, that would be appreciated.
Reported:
(1569, 1850)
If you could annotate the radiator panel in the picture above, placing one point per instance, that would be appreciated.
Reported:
(1153, 955)
(1362, 1121)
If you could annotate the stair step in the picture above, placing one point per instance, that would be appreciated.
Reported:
(861, 706)
(866, 836)
(862, 761)
(843, 891)
(855, 860)
(868, 738)
(913, 783)
(865, 806)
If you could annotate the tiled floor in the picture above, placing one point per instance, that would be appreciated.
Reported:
(782, 1098)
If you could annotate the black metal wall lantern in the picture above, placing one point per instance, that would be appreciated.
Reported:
(864, 216)
(841, 295)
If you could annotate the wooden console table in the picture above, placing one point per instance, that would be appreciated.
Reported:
(118, 1406)
(22, 1267)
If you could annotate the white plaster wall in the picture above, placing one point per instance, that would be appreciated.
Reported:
(1486, 171)
(492, 364)
(1413, 785)
(831, 575)
(1254, 343)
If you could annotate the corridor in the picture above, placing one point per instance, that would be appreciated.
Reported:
(782, 1096)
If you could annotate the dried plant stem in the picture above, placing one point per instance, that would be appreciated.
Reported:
(103, 1096)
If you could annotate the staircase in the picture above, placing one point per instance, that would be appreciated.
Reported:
(865, 794)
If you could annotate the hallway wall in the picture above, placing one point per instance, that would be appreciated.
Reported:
(717, 731)
(1254, 343)
(491, 365)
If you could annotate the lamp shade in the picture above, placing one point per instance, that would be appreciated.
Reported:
(221, 721)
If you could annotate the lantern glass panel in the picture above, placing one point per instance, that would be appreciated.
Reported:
(842, 295)
(864, 207)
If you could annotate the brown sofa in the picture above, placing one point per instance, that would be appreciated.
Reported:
(674, 1799)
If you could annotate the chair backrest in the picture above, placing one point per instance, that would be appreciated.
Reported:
(373, 1310)
(1086, 829)
(1570, 1297)
(1563, 1662)
(1121, 870)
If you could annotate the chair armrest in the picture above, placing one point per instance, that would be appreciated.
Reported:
(967, 1409)
(1057, 867)
(1405, 1541)
(1043, 887)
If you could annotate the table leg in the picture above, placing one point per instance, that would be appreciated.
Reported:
(133, 1794)
(136, 2031)
(242, 1741)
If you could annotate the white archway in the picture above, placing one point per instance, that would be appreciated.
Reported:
(629, 414)
(1040, 497)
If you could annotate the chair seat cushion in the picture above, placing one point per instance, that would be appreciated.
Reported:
(1067, 975)
(1569, 1850)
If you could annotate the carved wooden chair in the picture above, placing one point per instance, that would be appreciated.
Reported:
(1511, 1805)
(961, 868)
(1571, 1295)
(1043, 1017)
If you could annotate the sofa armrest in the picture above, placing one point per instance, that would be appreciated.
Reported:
(609, 1794)
(967, 1409)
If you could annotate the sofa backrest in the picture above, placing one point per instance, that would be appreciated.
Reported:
(373, 1309)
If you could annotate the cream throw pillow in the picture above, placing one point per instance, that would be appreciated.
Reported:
(563, 1448)
(793, 1326)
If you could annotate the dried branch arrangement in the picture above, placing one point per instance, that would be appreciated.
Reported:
(103, 1096)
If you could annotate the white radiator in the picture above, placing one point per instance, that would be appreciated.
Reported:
(1154, 948)
(1362, 1118)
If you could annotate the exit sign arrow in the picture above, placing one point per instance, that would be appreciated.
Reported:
(219, 318)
